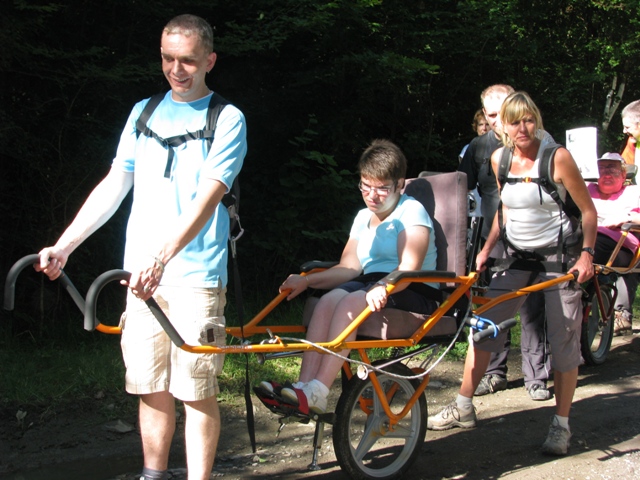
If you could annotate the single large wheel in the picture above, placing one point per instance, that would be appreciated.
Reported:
(597, 332)
(365, 446)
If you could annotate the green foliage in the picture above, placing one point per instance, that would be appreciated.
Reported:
(311, 221)
(51, 374)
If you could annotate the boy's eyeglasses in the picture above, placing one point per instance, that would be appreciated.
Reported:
(379, 191)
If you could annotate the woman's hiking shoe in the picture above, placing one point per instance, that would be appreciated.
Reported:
(622, 323)
(490, 384)
(557, 442)
(453, 416)
(539, 392)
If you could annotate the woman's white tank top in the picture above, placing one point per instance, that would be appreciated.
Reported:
(533, 217)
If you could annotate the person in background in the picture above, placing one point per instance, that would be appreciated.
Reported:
(631, 127)
(533, 225)
(480, 126)
(629, 150)
(617, 204)
(394, 232)
(536, 364)
(176, 249)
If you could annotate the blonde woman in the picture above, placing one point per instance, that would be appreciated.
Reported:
(532, 222)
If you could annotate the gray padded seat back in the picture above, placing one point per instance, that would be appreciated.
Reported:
(445, 198)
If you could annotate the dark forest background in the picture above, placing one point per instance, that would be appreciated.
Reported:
(316, 79)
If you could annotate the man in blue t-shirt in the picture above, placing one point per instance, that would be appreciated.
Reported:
(176, 249)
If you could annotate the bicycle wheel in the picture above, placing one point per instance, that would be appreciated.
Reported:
(597, 332)
(365, 446)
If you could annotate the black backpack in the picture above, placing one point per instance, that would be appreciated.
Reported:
(231, 200)
(546, 183)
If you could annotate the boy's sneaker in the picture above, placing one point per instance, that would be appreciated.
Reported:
(316, 401)
(490, 384)
(453, 416)
(539, 392)
(557, 442)
(622, 323)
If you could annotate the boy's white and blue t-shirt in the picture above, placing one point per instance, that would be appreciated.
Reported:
(159, 201)
(377, 247)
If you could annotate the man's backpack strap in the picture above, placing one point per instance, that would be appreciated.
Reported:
(143, 119)
(216, 104)
(231, 200)
(487, 149)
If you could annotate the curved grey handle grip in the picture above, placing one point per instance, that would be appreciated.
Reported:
(90, 321)
(24, 262)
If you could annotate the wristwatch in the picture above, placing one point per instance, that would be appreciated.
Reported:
(381, 282)
(590, 251)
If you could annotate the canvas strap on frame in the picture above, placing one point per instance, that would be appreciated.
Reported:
(240, 312)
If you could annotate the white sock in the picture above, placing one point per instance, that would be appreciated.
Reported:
(298, 385)
(563, 421)
(319, 387)
(464, 402)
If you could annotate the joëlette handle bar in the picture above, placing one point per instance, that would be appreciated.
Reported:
(276, 346)
(571, 276)
(24, 262)
(494, 330)
(91, 322)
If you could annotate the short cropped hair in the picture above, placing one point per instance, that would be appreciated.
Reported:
(496, 90)
(515, 107)
(632, 111)
(383, 160)
(188, 25)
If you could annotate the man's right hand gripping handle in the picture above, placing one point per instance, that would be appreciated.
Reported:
(52, 261)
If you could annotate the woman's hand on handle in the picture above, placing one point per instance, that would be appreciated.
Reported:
(584, 267)
(481, 261)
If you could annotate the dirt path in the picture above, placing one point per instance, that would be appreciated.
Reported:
(76, 443)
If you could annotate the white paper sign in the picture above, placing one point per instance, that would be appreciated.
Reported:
(583, 145)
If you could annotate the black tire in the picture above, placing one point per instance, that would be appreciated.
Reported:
(597, 334)
(364, 447)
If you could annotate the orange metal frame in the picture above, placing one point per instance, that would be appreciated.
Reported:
(277, 345)
(633, 265)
